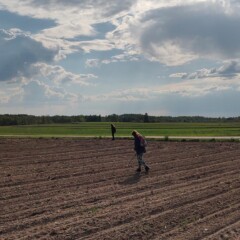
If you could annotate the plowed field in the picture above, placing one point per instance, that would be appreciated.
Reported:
(86, 189)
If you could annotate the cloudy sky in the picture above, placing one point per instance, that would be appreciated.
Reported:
(175, 57)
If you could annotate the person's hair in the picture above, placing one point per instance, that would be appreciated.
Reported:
(135, 132)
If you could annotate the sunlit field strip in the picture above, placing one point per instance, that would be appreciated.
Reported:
(102, 129)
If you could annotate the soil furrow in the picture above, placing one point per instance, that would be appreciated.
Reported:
(200, 230)
(119, 196)
(231, 231)
(166, 220)
(110, 171)
(164, 206)
(66, 189)
(36, 172)
(169, 177)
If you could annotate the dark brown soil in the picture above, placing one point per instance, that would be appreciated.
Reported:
(88, 189)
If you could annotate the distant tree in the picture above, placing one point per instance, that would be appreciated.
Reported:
(24, 119)
(112, 118)
(146, 118)
(93, 118)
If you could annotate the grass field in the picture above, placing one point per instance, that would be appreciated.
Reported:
(102, 129)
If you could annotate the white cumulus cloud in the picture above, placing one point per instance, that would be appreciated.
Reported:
(176, 35)
(58, 74)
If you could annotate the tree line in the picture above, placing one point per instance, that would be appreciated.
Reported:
(24, 119)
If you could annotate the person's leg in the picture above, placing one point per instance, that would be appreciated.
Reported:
(142, 162)
(139, 157)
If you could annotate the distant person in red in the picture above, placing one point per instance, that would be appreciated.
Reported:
(140, 148)
(113, 130)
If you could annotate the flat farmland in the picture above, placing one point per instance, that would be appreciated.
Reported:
(124, 129)
(88, 189)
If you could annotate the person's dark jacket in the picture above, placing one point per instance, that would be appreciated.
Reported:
(137, 145)
(113, 129)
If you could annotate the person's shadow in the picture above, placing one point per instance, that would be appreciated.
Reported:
(132, 179)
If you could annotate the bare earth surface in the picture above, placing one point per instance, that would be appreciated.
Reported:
(86, 189)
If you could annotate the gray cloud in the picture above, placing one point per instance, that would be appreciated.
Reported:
(106, 8)
(201, 30)
(228, 70)
(231, 68)
(18, 52)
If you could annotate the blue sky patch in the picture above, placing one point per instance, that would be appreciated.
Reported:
(10, 20)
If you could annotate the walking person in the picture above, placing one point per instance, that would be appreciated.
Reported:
(140, 148)
(113, 130)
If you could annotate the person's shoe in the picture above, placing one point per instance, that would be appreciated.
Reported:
(138, 169)
(147, 168)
